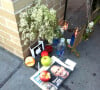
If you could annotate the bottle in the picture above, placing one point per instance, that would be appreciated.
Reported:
(74, 35)
(61, 47)
(72, 40)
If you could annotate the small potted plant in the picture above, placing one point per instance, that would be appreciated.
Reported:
(38, 22)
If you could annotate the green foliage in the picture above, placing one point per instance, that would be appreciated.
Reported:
(95, 17)
(38, 21)
(58, 32)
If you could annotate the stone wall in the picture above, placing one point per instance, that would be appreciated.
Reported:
(9, 35)
(74, 5)
(9, 18)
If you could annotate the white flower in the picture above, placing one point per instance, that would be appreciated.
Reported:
(52, 11)
(23, 22)
(91, 24)
(23, 15)
(27, 35)
(33, 16)
(32, 36)
(20, 29)
(26, 41)
(46, 24)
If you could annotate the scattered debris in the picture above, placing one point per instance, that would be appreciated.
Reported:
(72, 82)
(94, 74)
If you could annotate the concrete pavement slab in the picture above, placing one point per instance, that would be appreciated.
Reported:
(86, 75)
(8, 65)
(21, 80)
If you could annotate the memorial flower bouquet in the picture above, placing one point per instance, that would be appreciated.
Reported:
(38, 22)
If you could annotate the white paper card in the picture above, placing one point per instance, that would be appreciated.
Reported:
(68, 64)
(71, 64)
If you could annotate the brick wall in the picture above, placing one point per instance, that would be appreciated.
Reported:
(9, 35)
(9, 18)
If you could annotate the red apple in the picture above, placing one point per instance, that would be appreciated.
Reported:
(29, 61)
(45, 76)
(44, 53)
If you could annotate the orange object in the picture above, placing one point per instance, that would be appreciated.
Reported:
(65, 27)
(76, 32)
(29, 61)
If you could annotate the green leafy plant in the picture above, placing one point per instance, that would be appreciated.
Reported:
(95, 18)
(38, 22)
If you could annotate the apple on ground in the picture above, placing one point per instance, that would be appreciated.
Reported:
(45, 76)
(29, 61)
(46, 61)
(44, 53)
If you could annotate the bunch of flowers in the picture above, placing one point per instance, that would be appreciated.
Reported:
(38, 22)
(90, 27)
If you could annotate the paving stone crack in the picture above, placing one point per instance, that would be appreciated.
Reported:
(18, 67)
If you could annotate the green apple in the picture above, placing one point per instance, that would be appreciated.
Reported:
(45, 60)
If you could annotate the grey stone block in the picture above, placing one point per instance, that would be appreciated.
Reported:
(21, 80)
(8, 65)
(86, 75)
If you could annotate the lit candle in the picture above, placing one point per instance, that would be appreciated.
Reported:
(65, 27)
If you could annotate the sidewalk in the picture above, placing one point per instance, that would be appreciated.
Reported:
(14, 75)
